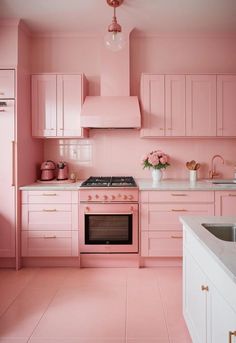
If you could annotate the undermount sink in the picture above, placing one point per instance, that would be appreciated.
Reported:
(223, 182)
(225, 232)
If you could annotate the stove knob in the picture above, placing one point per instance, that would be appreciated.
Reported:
(125, 197)
(113, 197)
(89, 197)
(97, 196)
(105, 197)
(130, 197)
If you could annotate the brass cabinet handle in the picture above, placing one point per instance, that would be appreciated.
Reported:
(204, 288)
(49, 194)
(179, 210)
(232, 195)
(46, 210)
(161, 128)
(231, 334)
(2, 93)
(179, 195)
(176, 237)
(49, 237)
(2, 110)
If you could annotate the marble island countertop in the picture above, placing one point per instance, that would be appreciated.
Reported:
(144, 185)
(224, 252)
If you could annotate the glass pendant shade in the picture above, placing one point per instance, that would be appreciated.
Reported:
(114, 41)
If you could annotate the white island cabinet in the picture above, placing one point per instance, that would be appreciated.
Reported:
(209, 282)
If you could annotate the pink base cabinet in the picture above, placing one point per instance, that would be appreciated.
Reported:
(49, 223)
(225, 203)
(160, 229)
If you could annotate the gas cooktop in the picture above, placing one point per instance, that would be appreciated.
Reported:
(109, 181)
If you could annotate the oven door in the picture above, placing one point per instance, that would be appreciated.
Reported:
(108, 228)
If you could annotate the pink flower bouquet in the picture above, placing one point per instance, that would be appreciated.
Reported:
(156, 160)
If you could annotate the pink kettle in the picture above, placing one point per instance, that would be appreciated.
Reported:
(47, 170)
(62, 171)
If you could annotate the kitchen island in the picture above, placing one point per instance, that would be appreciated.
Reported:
(209, 281)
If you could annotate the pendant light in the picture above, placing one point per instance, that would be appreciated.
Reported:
(114, 39)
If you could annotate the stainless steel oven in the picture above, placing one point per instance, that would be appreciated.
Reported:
(108, 221)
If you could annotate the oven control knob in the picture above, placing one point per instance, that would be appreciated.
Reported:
(130, 197)
(113, 197)
(89, 197)
(125, 197)
(105, 197)
(97, 196)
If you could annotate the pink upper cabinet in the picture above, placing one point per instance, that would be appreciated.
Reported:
(175, 105)
(153, 105)
(201, 105)
(44, 110)
(226, 105)
(163, 105)
(7, 84)
(56, 105)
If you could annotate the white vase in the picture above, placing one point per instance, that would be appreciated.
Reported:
(156, 175)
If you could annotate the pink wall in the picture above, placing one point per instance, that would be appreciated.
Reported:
(119, 151)
(8, 43)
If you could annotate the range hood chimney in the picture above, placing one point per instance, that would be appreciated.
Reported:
(115, 108)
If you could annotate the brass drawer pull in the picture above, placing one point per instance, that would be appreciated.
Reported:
(49, 237)
(180, 210)
(176, 237)
(232, 195)
(53, 210)
(231, 334)
(179, 195)
(204, 288)
(49, 194)
(2, 110)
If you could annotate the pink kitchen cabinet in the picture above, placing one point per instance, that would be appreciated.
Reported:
(56, 105)
(7, 84)
(153, 105)
(7, 178)
(226, 104)
(49, 223)
(201, 105)
(225, 203)
(163, 105)
(161, 230)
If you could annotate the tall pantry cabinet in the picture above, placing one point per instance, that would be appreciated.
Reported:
(7, 162)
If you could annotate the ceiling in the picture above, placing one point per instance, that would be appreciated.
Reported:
(146, 16)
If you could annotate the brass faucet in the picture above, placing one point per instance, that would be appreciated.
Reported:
(212, 171)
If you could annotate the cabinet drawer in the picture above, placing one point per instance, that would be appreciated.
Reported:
(166, 216)
(177, 196)
(47, 197)
(46, 217)
(7, 80)
(162, 243)
(50, 243)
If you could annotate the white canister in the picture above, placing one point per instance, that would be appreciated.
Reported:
(192, 175)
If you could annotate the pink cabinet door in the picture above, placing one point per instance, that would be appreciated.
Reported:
(7, 82)
(161, 244)
(69, 103)
(201, 105)
(226, 104)
(7, 188)
(225, 202)
(44, 106)
(153, 105)
(175, 105)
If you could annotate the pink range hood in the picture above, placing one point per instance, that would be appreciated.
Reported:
(115, 108)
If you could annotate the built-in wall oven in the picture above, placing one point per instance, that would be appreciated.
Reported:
(108, 219)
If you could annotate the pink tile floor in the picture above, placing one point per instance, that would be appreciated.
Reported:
(102, 305)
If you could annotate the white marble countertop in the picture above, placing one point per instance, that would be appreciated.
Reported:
(74, 186)
(143, 185)
(182, 185)
(224, 252)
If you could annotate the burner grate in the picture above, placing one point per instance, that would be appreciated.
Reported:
(109, 181)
